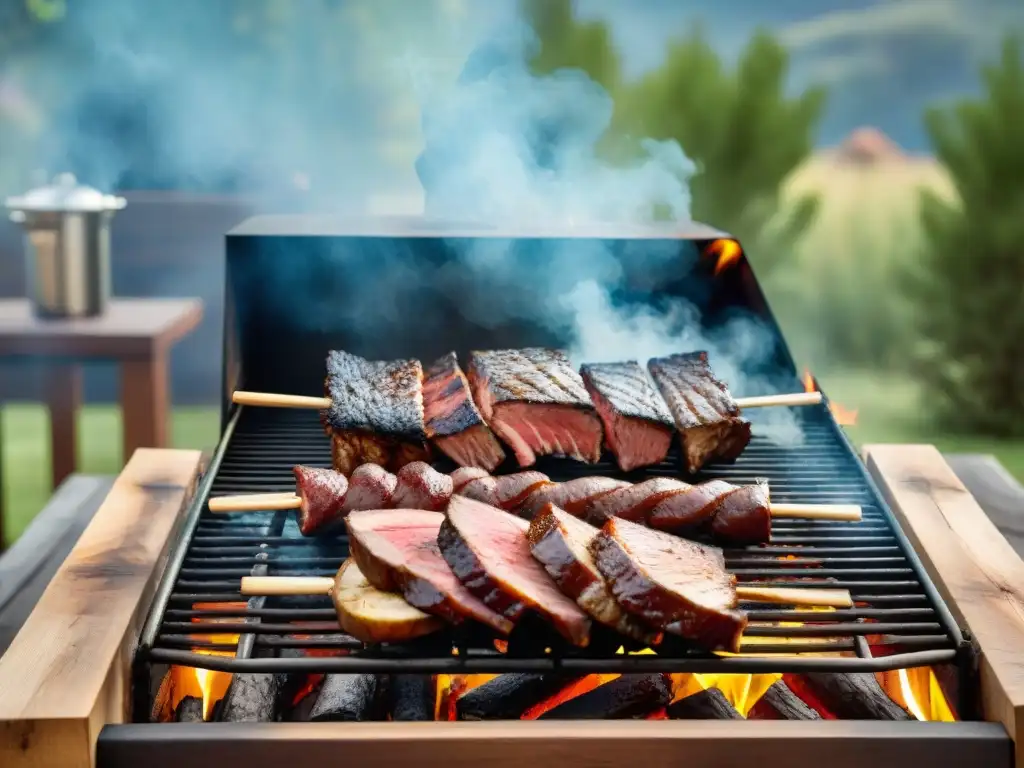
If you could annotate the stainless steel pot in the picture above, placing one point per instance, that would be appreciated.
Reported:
(67, 246)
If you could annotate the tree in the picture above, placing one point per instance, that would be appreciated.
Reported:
(968, 286)
(568, 43)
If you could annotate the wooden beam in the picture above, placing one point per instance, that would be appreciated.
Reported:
(972, 565)
(67, 673)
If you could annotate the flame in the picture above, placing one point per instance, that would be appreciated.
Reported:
(845, 417)
(728, 252)
(919, 692)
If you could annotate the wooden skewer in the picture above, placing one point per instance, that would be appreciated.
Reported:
(321, 585)
(271, 400)
(259, 502)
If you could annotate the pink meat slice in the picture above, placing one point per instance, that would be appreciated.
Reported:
(505, 491)
(370, 487)
(322, 495)
(420, 486)
(397, 552)
(572, 496)
(634, 502)
(489, 552)
(464, 475)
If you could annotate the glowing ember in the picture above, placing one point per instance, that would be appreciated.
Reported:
(919, 692)
(728, 253)
(845, 417)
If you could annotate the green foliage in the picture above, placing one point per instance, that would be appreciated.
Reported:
(568, 43)
(969, 286)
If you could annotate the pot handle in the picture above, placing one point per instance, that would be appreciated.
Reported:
(18, 217)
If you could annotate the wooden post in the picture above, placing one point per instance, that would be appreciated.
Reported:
(145, 402)
(67, 673)
(63, 397)
(973, 566)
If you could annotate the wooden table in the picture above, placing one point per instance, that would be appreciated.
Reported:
(135, 333)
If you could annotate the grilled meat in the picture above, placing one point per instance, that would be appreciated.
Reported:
(671, 583)
(376, 414)
(536, 402)
(370, 487)
(574, 496)
(505, 491)
(464, 475)
(561, 543)
(420, 486)
(637, 426)
(322, 493)
(397, 551)
(631, 502)
(705, 413)
(453, 421)
(373, 615)
(489, 552)
(733, 515)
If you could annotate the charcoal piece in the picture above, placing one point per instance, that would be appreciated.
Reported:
(346, 697)
(189, 710)
(853, 696)
(780, 703)
(507, 697)
(251, 698)
(300, 711)
(411, 697)
(628, 696)
(705, 705)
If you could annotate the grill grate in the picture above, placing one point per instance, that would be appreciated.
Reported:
(898, 621)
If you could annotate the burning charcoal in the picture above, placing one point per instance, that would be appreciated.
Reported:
(780, 703)
(190, 710)
(507, 697)
(346, 697)
(251, 698)
(411, 697)
(626, 697)
(854, 696)
(302, 702)
(705, 705)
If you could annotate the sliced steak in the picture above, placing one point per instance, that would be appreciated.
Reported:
(505, 491)
(370, 487)
(690, 511)
(561, 543)
(397, 552)
(573, 496)
(322, 495)
(453, 421)
(536, 402)
(420, 486)
(734, 515)
(705, 414)
(671, 583)
(632, 502)
(637, 426)
(489, 552)
(376, 413)
(464, 475)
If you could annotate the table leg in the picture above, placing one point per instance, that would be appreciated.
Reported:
(144, 403)
(63, 396)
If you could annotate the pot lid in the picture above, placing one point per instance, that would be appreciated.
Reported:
(65, 194)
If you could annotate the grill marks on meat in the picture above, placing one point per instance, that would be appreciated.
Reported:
(453, 421)
(671, 583)
(489, 552)
(637, 425)
(573, 496)
(322, 494)
(561, 543)
(536, 402)
(376, 413)
(506, 492)
(632, 502)
(734, 515)
(705, 413)
(464, 475)
(370, 487)
(420, 486)
(397, 551)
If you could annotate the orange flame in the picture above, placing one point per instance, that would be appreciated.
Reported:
(729, 252)
(845, 417)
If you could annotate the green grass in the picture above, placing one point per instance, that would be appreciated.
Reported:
(26, 451)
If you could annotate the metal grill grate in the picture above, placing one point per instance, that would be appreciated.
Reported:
(898, 621)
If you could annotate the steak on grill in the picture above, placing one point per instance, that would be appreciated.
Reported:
(376, 412)
(561, 543)
(671, 583)
(691, 510)
(733, 515)
(397, 551)
(705, 414)
(321, 494)
(464, 475)
(370, 487)
(453, 421)
(505, 491)
(420, 486)
(637, 426)
(536, 402)
(489, 552)
(572, 496)
(633, 501)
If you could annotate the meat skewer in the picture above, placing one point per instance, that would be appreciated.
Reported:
(730, 514)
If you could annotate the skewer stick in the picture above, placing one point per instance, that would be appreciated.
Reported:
(316, 585)
(816, 511)
(796, 398)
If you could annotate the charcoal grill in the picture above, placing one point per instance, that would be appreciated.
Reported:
(292, 286)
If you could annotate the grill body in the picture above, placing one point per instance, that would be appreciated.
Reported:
(299, 287)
